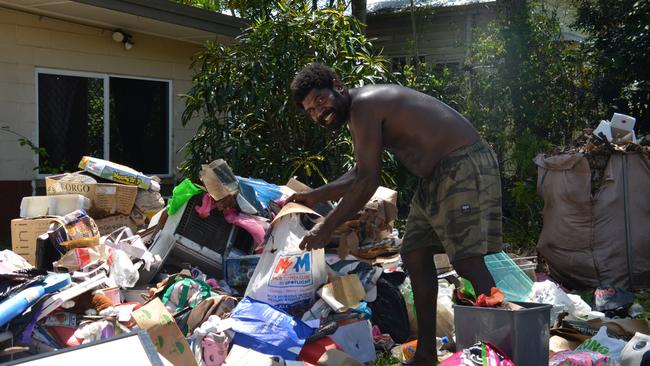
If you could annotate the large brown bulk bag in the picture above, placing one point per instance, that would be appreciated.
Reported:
(601, 239)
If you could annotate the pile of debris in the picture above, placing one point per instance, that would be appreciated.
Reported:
(215, 276)
(103, 257)
(598, 145)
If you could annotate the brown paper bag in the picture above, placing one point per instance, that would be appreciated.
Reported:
(344, 292)
(165, 334)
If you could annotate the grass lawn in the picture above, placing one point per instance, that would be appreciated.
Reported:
(385, 359)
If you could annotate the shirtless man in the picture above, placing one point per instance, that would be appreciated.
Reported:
(457, 206)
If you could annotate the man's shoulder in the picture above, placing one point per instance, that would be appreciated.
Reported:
(370, 95)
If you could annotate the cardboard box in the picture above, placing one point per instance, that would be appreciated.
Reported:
(164, 332)
(106, 198)
(117, 173)
(109, 224)
(24, 233)
(623, 128)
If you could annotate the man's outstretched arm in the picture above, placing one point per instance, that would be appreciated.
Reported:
(328, 192)
(336, 189)
(367, 136)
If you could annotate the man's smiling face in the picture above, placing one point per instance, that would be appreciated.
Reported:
(326, 107)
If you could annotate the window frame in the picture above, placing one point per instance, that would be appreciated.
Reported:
(106, 116)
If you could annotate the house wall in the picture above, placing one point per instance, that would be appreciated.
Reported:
(29, 41)
(443, 34)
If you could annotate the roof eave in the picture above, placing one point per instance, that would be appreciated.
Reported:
(393, 11)
(171, 12)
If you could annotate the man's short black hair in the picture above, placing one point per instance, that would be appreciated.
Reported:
(312, 76)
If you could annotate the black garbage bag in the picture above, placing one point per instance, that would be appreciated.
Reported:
(12, 283)
(389, 311)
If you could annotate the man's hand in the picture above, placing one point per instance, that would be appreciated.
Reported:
(308, 199)
(316, 238)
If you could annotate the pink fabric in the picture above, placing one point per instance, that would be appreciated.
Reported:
(212, 283)
(589, 358)
(207, 205)
(376, 331)
(473, 356)
(249, 223)
(214, 353)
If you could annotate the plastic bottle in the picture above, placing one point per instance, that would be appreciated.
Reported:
(440, 342)
(407, 350)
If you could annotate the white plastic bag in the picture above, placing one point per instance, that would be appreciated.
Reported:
(123, 239)
(445, 310)
(286, 276)
(548, 292)
(603, 344)
(123, 271)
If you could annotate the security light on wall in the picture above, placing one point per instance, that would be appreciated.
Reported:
(118, 36)
(123, 37)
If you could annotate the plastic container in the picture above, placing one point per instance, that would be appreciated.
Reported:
(59, 205)
(509, 278)
(521, 334)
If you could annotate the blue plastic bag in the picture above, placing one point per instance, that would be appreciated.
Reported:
(258, 192)
(267, 329)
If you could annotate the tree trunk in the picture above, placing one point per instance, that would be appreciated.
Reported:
(516, 34)
(359, 10)
(416, 49)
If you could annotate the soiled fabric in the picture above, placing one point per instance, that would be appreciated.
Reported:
(220, 306)
(209, 345)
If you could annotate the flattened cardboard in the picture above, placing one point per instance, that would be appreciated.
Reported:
(109, 224)
(334, 357)
(24, 233)
(292, 208)
(219, 180)
(344, 292)
(106, 198)
(240, 356)
(298, 186)
(165, 334)
(385, 194)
